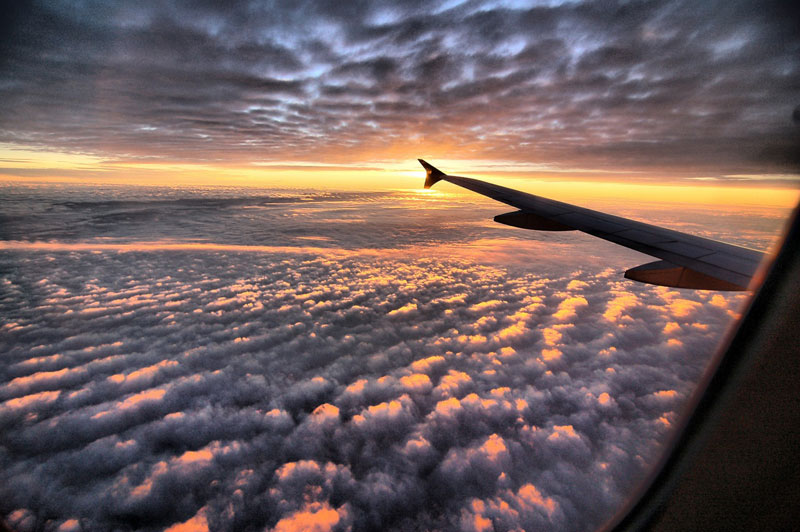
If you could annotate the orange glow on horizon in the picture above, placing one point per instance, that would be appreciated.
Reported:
(397, 171)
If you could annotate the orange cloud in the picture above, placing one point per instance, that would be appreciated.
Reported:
(486, 305)
(356, 387)
(576, 283)
(448, 407)
(197, 523)
(683, 307)
(666, 394)
(563, 431)
(551, 354)
(617, 306)
(719, 301)
(325, 411)
(493, 447)
(200, 457)
(40, 377)
(418, 382)
(512, 331)
(568, 307)
(405, 309)
(143, 373)
(37, 360)
(153, 394)
(533, 497)
(417, 444)
(426, 364)
(32, 399)
(551, 336)
(70, 525)
(314, 517)
(288, 469)
(386, 411)
(452, 382)
(482, 524)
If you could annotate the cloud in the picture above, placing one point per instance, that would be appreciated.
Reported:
(568, 307)
(197, 523)
(225, 388)
(695, 88)
(315, 517)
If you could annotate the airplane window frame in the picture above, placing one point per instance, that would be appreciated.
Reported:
(728, 443)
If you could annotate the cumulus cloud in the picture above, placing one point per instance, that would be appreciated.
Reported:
(314, 517)
(405, 382)
(289, 415)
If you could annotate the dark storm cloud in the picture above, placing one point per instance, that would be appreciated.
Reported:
(272, 390)
(699, 87)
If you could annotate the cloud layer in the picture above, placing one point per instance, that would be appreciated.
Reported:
(694, 88)
(224, 359)
(241, 390)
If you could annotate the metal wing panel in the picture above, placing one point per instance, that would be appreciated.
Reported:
(733, 264)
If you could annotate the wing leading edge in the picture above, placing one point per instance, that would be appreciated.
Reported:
(687, 261)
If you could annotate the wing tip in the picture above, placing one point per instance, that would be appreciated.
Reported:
(432, 174)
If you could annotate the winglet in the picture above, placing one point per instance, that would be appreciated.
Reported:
(433, 175)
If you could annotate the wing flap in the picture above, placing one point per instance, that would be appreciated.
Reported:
(527, 220)
(665, 273)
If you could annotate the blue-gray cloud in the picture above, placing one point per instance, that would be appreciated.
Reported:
(698, 88)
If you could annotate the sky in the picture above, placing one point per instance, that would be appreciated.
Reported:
(338, 93)
(227, 304)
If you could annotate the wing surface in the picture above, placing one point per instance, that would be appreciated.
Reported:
(686, 261)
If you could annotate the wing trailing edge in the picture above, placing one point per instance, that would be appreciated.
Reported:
(687, 261)
(664, 273)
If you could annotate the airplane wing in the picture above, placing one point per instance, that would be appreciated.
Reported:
(687, 261)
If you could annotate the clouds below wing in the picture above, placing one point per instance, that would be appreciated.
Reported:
(156, 388)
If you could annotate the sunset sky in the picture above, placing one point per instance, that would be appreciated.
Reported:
(347, 94)
(226, 303)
